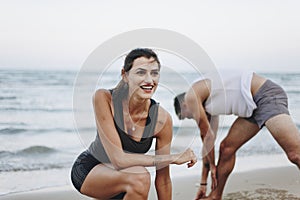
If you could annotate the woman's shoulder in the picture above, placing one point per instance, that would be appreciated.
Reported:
(164, 119)
(101, 94)
(162, 112)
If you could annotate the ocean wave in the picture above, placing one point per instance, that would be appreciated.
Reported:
(36, 109)
(292, 91)
(13, 123)
(8, 98)
(37, 150)
(12, 130)
(33, 158)
(259, 150)
(6, 167)
(28, 78)
(191, 130)
(29, 151)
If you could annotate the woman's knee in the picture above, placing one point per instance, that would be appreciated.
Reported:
(139, 180)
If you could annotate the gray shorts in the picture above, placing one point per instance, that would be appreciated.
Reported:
(271, 100)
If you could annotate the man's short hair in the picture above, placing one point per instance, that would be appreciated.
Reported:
(178, 100)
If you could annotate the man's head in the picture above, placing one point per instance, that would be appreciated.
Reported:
(179, 105)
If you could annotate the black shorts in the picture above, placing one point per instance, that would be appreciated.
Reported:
(271, 100)
(84, 163)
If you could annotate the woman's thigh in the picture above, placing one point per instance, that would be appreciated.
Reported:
(104, 182)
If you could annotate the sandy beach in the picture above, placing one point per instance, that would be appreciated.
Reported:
(272, 183)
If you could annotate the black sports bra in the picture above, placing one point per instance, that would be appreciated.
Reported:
(129, 144)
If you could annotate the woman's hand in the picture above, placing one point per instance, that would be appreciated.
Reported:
(187, 156)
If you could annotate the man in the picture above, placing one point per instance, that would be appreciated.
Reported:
(255, 100)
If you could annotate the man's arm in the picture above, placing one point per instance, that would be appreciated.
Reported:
(214, 122)
(209, 149)
(203, 182)
(195, 99)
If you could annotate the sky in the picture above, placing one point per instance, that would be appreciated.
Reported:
(263, 35)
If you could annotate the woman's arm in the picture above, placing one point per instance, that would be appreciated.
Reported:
(112, 143)
(109, 136)
(163, 182)
(163, 145)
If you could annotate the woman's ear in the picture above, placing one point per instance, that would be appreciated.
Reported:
(124, 76)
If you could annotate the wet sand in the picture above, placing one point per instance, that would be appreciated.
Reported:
(263, 184)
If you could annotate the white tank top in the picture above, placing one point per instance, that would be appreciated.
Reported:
(230, 93)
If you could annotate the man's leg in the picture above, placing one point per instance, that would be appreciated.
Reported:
(240, 132)
(287, 135)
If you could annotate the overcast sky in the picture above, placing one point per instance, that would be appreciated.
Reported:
(55, 34)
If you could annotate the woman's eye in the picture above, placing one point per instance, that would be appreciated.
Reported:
(141, 72)
(155, 73)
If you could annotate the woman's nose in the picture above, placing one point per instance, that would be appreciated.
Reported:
(148, 78)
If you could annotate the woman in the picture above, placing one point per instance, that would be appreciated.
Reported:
(127, 121)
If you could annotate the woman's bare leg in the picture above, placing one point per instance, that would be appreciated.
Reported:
(104, 182)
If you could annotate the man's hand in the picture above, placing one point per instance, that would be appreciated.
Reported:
(201, 191)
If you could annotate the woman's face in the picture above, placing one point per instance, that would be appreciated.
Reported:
(143, 77)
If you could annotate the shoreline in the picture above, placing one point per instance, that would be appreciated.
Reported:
(269, 183)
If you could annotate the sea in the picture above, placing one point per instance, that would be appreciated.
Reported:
(40, 135)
